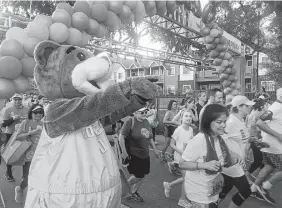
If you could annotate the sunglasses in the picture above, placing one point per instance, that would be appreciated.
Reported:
(142, 112)
(38, 112)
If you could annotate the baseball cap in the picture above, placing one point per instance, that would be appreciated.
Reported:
(240, 100)
(17, 96)
(36, 108)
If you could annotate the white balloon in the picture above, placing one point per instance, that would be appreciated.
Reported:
(17, 33)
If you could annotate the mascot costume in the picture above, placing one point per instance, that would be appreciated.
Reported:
(74, 165)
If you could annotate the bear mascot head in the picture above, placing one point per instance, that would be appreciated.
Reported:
(74, 165)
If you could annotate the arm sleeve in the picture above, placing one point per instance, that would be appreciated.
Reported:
(189, 154)
(126, 127)
(67, 115)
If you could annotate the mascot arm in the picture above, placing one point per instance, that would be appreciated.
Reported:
(108, 106)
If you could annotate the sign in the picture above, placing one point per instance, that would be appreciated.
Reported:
(233, 43)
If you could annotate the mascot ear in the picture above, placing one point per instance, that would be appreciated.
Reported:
(43, 50)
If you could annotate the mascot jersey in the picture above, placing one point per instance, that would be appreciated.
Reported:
(74, 165)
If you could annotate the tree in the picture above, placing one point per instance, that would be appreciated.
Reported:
(274, 72)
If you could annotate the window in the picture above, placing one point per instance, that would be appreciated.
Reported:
(249, 63)
(171, 71)
(155, 72)
(203, 87)
(134, 74)
(120, 75)
(185, 88)
(186, 71)
(171, 89)
(141, 73)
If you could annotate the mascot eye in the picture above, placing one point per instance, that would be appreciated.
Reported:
(81, 56)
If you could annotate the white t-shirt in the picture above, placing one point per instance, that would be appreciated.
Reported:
(276, 124)
(197, 182)
(181, 136)
(237, 140)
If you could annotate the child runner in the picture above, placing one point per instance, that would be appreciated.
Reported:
(179, 140)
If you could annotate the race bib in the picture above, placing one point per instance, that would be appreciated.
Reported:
(215, 185)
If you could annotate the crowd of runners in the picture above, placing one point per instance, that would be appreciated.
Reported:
(212, 143)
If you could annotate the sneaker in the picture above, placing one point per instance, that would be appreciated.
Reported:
(166, 189)
(184, 203)
(265, 194)
(19, 195)
(125, 162)
(9, 178)
(137, 197)
(257, 196)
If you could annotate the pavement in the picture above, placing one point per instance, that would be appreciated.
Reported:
(151, 190)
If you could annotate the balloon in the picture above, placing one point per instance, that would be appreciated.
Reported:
(37, 30)
(140, 11)
(227, 56)
(129, 20)
(226, 83)
(44, 19)
(214, 33)
(29, 45)
(208, 14)
(7, 88)
(227, 90)
(210, 25)
(233, 70)
(160, 5)
(28, 64)
(213, 54)
(220, 55)
(223, 76)
(80, 21)
(66, 7)
(93, 27)
(112, 22)
(205, 31)
(209, 39)
(85, 39)
(10, 67)
(152, 13)
(62, 16)
(106, 3)
(17, 33)
(231, 77)
(227, 70)
(99, 12)
(132, 4)
(220, 48)
(125, 12)
(115, 6)
(59, 32)
(150, 6)
(233, 85)
(217, 62)
(231, 63)
(235, 92)
(224, 63)
(222, 40)
(75, 37)
(82, 6)
(102, 31)
(216, 41)
(170, 5)
(22, 84)
(210, 46)
(11, 47)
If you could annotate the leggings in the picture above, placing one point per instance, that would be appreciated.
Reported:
(257, 159)
(24, 182)
(242, 185)
(9, 167)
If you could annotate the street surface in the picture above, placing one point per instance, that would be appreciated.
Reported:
(151, 190)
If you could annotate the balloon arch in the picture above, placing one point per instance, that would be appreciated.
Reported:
(74, 25)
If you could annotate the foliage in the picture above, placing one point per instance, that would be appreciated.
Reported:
(274, 72)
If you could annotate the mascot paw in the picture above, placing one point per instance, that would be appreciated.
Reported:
(145, 88)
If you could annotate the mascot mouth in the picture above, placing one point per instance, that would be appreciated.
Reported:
(94, 83)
